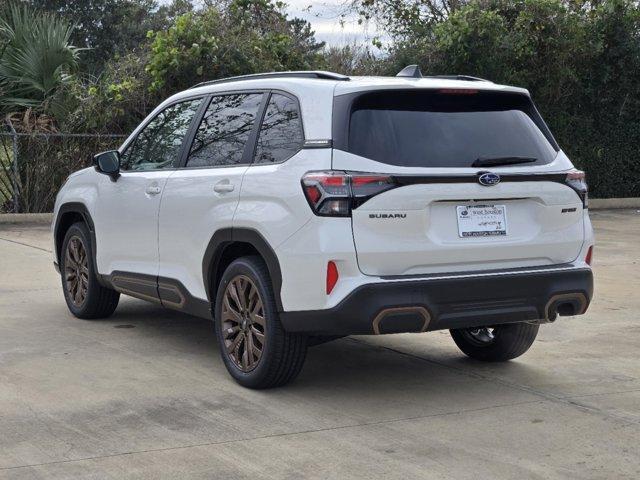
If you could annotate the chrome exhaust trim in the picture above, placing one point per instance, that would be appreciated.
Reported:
(423, 312)
(566, 304)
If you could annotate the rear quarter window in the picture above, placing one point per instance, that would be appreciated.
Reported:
(280, 135)
(432, 129)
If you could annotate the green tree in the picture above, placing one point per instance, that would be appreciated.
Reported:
(114, 102)
(581, 62)
(405, 20)
(37, 60)
(353, 59)
(221, 40)
(111, 27)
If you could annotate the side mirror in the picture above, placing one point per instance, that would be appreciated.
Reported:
(108, 163)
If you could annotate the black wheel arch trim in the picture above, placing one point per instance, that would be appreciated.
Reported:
(221, 239)
(82, 210)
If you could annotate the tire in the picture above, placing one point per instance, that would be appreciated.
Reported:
(239, 324)
(505, 342)
(94, 301)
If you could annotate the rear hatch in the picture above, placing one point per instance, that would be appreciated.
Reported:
(470, 180)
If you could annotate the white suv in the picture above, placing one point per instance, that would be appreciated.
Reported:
(298, 207)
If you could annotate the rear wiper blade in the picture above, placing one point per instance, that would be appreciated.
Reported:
(497, 161)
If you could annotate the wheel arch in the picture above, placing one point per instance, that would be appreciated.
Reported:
(68, 214)
(228, 244)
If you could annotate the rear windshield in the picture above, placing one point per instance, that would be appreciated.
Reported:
(433, 129)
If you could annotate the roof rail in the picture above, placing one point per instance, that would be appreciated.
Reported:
(461, 77)
(321, 75)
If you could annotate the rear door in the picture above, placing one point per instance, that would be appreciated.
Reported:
(201, 197)
(452, 209)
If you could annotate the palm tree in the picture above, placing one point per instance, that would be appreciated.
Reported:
(36, 58)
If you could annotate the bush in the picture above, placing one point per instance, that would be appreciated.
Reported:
(44, 162)
(353, 59)
(581, 65)
(116, 101)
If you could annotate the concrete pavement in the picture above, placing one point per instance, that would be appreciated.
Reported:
(145, 395)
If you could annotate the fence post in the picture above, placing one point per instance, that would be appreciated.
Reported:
(16, 193)
(16, 175)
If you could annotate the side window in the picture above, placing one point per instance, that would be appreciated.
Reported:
(224, 130)
(281, 132)
(158, 144)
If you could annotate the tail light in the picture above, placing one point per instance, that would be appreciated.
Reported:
(577, 180)
(337, 193)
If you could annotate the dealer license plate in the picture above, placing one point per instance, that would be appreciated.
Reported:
(482, 220)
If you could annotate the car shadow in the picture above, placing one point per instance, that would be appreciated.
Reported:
(349, 366)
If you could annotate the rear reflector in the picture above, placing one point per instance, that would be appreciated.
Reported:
(589, 256)
(332, 276)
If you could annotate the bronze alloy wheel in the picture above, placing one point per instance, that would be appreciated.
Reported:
(76, 270)
(243, 323)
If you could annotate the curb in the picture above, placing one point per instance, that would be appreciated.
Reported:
(594, 204)
(42, 218)
(613, 203)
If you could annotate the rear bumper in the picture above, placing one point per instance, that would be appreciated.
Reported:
(457, 301)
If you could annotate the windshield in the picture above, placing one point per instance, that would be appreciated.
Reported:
(431, 129)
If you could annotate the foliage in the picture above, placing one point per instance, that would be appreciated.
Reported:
(580, 62)
(245, 36)
(407, 19)
(353, 59)
(44, 162)
(116, 101)
(36, 60)
(111, 27)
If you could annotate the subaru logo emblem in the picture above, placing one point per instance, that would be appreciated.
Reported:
(489, 179)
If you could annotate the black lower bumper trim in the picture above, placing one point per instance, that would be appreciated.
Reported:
(444, 303)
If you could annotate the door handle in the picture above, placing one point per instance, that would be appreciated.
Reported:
(153, 190)
(223, 187)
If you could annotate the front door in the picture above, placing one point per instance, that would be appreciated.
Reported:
(127, 210)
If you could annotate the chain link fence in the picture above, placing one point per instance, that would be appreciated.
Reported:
(33, 166)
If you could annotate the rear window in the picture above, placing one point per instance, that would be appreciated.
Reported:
(432, 129)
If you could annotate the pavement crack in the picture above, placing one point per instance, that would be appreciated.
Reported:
(25, 244)
(587, 395)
